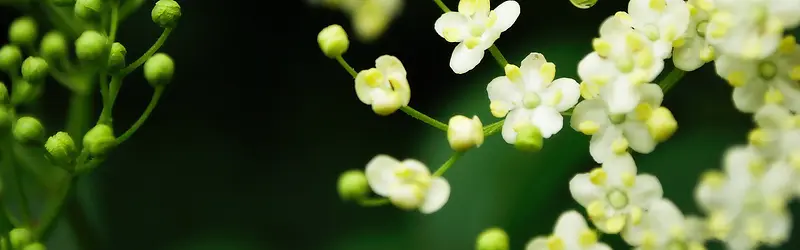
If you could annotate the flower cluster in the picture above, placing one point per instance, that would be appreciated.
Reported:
(618, 104)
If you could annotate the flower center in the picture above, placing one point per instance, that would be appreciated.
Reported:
(617, 118)
(531, 100)
(617, 199)
(767, 70)
(701, 28)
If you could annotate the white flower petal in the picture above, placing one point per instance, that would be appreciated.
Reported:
(514, 117)
(687, 57)
(791, 93)
(405, 196)
(363, 90)
(567, 90)
(507, 13)
(390, 66)
(779, 228)
(645, 191)
(583, 190)
(548, 120)
(417, 167)
(600, 144)
(502, 90)
(772, 117)
(464, 59)
(437, 196)
(593, 66)
(617, 165)
(589, 110)
(538, 243)
(621, 96)
(737, 162)
(380, 173)
(638, 136)
(750, 97)
(452, 20)
(532, 63)
(651, 94)
(569, 225)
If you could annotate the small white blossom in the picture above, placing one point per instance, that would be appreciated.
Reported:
(370, 18)
(613, 134)
(407, 184)
(614, 195)
(570, 233)
(770, 80)
(746, 205)
(777, 136)
(530, 95)
(750, 29)
(475, 28)
(464, 133)
(385, 87)
(692, 50)
(661, 21)
(663, 227)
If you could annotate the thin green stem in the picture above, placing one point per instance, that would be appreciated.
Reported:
(78, 115)
(150, 107)
(346, 66)
(112, 36)
(103, 82)
(493, 128)
(373, 202)
(108, 104)
(671, 79)
(447, 164)
(424, 118)
(442, 6)
(152, 50)
(498, 56)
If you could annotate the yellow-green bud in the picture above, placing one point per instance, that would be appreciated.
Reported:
(61, 149)
(158, 70)
(89, 9)
(333, 41)
(92, 46)
(352, 185)
(25, 92)
(4, 98)
(99, 140)
(20, 237)
(23, 31)
(63, 2)
(116, 60)
(583, 4)
(28, 129)
(492, 239)
(53, 46)
(529, 138)
(5, 119)
(35, 246)
(10, 58)
(34, 69)
(166, 13)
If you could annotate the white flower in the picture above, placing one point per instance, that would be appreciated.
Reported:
(622, 60)
(664, 227)
(613, 133)
(770, 80)
(751, 29)
(370, 18)
(692, 50)
(661, 21)
(408, 184)
(747, 205)
(614, 195)
(570, 233)
(777, 136)
(475, 28)
(464, 133)
(529, 95)
(384, 87)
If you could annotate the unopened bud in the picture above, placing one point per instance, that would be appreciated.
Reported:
(61, 149)
(28, 130)
(529, 138)
(158, 70)
(116, 60)
(54, 46)
(20, 237)
(352, 185)
(464, 133)
(493, 239)
(23, 31)
(661, 124)
(583, 4)
(34, 69)
(333, 41)
(10, 58)
(92, 46)
(99, 140)
(166, 13)
(25, 92)
(89, 9)
(35, 246)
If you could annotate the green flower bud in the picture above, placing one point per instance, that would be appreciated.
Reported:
(61, 149)
(34, 69)
(28, 129)
(92, 46)
(166, 13)
(333, 41)
(529, 138)
(89, 9)
(35, 246)
(116, 60)
(10, 58)
(23, 31)
(25, 92)
(53, 46)
(158, 70)
(492, 239)
(99, 140)
(583, 4)
(352, 185)
(4, 99)
(5, 119)
(20, 237)
(63, 2)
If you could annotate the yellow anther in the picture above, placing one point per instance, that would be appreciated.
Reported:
(602, 47)
(692, 9)
(712, 178)
(452, 34)
(788, 44)
(373, 77)
(649, 240)
(548, 72)
(707, 53)
(754, 229)
(634, 41)
(513, 73)
(737, 79)
(589, 90)
(643, 111)
(403, 173)
(624, 17)
(774, 26)
(722, 22)
(757, 167)
(557, 97)
(658, 5)
(644, 59)
(598, 176)
(706, 5)
(596, 210)
(600, 80)
(773, 96)
(498, 109)
(615, 224)
(472, 42)
(671, 33)
(636, 215)
(587, 238)
(625, 64)
(794, 73)
(757, 137)
(718, 225)
(628, 179)
(679, 42)
(492, 19)
(555, 243)
(619, 146)
(467, 7)
(588, 127)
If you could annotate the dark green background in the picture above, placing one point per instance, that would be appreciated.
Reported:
(245, 149)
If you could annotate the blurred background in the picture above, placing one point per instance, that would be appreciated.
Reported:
(245, 149)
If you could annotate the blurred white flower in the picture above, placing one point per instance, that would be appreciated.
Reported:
(661, 21)
(407, 184)
(750, 29)
(370, 18)
(663, 227)
(692, 50)
(570, 233)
